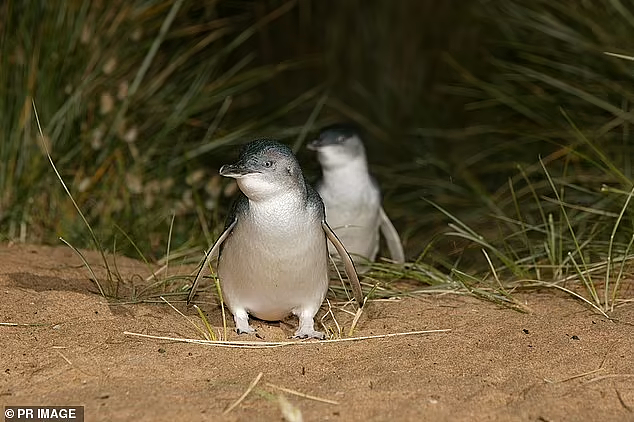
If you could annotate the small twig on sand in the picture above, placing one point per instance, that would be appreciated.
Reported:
(574, 376)
(64, 357)
(602, 377)
(13, 324)
(269, 344)
(244, 395)
(297, 393)
(357, 316)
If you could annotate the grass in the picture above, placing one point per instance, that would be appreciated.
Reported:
(503, 148)
(554, 253)
(106, 120)
(559, 222)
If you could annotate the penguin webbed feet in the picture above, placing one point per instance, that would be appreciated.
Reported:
(307, 324)
(309, 333)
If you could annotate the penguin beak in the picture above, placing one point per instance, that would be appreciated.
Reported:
(236, 170)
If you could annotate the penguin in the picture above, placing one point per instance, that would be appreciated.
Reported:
(352, 197)
(273, 253)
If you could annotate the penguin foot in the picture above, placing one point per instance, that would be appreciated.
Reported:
(306, 324)
(241, 319)
(309, 333)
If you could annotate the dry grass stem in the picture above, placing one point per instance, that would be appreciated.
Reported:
(244, 395)
(332, 315)
(297, 393)
(212, 335)
(156, 273)
(15, 324)
(355, 321)
(625, 405)
(64, 357)
(270, 344)
(574, 376)
(200, 330)
(610, 376)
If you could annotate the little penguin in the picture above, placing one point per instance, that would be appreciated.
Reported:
(352, 197)
(273, 253)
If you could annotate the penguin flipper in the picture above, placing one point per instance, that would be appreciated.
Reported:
(208, 256)
(391, 238)
(351, 272)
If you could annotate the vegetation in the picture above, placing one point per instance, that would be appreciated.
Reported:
(508, 121)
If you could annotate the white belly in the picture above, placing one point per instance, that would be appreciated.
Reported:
(272, 268)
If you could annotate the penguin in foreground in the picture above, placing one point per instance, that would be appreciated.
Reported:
(273, 253)
(352, 197)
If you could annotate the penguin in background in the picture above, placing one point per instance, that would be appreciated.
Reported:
(352, 197)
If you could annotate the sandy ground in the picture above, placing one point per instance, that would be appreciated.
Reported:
(561, 362)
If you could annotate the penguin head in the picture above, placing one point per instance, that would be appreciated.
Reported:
(265, 169)
(337, 145)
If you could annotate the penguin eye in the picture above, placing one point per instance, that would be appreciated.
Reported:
(268, 164)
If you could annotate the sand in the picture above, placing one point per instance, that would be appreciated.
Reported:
(559, 362)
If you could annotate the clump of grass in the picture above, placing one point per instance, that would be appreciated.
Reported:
(130, 94)
(564, 220)
(114, 278)
(576, 249)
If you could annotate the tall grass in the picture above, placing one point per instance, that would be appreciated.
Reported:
(509, 121)
(558, 108)
(125, 91)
